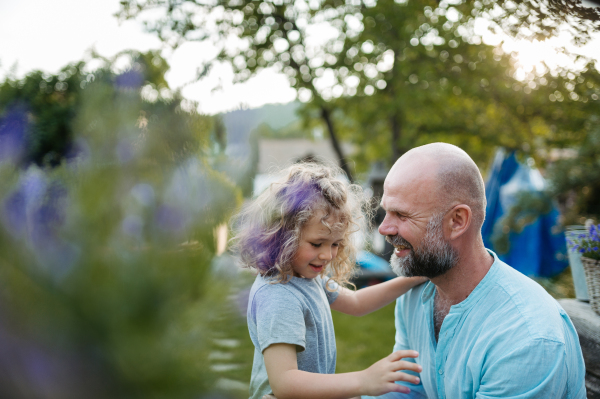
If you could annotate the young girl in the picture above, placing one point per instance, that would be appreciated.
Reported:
(294, 235)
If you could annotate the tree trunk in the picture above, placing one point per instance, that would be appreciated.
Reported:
(397, 150)
(335, 143)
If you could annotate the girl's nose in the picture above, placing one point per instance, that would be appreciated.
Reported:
(326, 254)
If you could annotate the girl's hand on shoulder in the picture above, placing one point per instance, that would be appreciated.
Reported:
(380, 378)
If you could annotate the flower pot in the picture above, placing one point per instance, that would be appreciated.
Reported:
(592, 275)
(581, 291)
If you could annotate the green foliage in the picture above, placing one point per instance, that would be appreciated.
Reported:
(426, 77)
(575, 179)
(105, 259)
(541, 19)
(426, 74)
(49, 103)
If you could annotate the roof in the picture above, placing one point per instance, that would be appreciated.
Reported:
(279, 153)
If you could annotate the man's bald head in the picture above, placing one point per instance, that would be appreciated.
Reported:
(456, 176)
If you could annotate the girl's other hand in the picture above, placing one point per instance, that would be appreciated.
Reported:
(380, 378)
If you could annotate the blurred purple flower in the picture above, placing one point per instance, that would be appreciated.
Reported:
(79, 151)
(48, 212)
(13, 128)
(125, 151)
(27, 198)
(143, 193)
(133, 225)
(188, 189)
(170, 219)
(33, 213)
(13, 213)
(130, 79)
(39, 367)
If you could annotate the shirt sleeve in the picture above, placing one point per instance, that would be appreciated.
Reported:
(536, 369)
(333, 291)
(279, 318)
(417, 391)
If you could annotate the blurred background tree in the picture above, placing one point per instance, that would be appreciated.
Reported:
(388, 75)
(422, 74)
(108, 211)
(542, 19)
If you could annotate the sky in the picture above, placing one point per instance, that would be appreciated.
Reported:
(47, 35)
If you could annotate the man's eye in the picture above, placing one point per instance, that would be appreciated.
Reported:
(315, 245)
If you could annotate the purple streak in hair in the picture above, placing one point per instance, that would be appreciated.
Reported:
(299, 197)
(267, 250)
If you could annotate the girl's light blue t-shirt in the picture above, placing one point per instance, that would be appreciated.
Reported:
(296, 313)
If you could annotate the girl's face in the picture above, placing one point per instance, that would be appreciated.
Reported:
(318, 246)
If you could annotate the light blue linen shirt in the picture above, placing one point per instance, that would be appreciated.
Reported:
(508, 339)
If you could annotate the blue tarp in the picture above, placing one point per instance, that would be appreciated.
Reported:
(372, 262)
(539, 250)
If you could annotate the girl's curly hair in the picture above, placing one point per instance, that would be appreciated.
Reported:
(267, 231)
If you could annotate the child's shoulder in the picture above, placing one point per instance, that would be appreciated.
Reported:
(295, 288)
(266, 286)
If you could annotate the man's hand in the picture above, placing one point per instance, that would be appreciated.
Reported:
(380, 377)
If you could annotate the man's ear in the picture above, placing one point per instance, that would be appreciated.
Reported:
(459, 220)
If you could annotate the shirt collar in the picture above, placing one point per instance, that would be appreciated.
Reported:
(428, 292)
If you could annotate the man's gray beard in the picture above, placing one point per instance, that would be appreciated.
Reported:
(434, 257)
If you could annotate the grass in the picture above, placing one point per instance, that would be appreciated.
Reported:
(361, 341)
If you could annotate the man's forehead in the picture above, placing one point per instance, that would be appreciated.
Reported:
(403, 192)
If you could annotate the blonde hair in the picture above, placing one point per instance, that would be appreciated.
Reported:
(267, 231)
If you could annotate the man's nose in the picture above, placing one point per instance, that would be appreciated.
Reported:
(387, 228)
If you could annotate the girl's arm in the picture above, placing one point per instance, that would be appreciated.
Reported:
(287, 382)
(367, 300)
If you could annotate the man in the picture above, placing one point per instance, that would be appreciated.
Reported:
(482, 329)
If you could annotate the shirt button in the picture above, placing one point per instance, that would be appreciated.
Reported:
(441, 371)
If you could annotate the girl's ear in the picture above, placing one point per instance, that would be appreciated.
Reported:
(459, 220)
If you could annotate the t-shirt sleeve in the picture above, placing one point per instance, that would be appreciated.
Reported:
(333, 291)
(533, 370)
(279, 318)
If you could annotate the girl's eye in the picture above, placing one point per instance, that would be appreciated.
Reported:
(315, 245)
(337, 244)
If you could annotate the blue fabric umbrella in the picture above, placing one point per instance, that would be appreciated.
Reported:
(539, 250)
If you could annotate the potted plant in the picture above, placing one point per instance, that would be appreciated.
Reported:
(587, 244)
